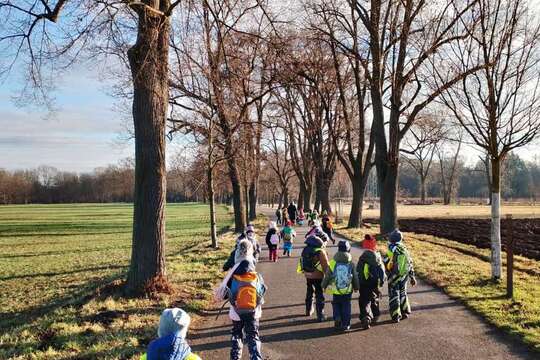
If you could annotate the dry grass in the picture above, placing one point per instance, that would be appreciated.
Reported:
(463, 271)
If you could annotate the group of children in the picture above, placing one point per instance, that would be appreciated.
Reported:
(340, 277)
(244, 288)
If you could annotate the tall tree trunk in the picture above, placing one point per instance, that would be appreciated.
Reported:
(423, 190)
(388, 189)
(359, 189)
(237, 196)
(285, 196)
(301, 194)
(253, 200)
(245, 187)
(213, 231)
(496, 259)
(324, 194)
(148, 60)
(307, 196)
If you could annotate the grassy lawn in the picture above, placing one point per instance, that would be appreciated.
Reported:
(452, 211)
(60, 271)
(463, 272)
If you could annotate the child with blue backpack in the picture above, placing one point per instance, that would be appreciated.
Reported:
(288, 234)
(244, 288)
(342, 279)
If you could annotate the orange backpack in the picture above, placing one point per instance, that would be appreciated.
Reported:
(247, 291)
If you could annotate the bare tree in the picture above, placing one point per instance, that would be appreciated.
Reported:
(448, 153)
(420, 144)
(499, 107)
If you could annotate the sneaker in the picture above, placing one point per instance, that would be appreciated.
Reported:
(405, 316)
(337, 324)
(321, 318)
(375, 320)
(396, 319)
(366, 323)
(346, 328)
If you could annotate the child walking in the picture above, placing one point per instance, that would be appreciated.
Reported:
(342, 279)
(371, 275)
(313, 264)
(171, 342)
(400, 270)
(272, 240)
(244, 288)
(288, 234)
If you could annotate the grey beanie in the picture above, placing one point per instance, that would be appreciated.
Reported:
(173, 320)
(396, 236)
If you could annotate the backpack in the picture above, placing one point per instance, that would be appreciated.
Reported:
(343, 275)
(287, 234)
(274, 239)
(247, 292)
(401, 261)
(308, 261)
(371, 274)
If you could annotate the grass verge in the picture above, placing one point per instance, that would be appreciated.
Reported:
(61, 272)
(463, 272)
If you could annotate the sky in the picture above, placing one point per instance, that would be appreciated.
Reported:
(84, 132)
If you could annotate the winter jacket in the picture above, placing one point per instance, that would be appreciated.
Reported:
(399, 263)
(243, 267)
(268, 236)
(318, 231)
(287, 230)
(169, 347)
(320, 259)
(291, 210)
(370, 269)
(340, 258)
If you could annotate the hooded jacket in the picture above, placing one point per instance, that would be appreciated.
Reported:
(169, 347)
(321, 258)
(340, 257)
(370, 269)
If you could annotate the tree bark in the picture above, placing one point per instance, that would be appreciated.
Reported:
(388, 186)
(148, 60)
(359, 189)
(423, 190)
(307, 196)
(213, 231)
(324, 193)
(237, 196)
(253, 200)
(496, 258)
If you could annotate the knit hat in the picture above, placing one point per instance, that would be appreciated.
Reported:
(244, 251)
(344, 246)
(173, 320)
(369, 242)
(395, 236)
(289, 223)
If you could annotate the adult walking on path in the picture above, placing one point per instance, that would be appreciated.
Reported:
(439, 328)
(293, 212)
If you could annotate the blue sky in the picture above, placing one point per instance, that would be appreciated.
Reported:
(81, 135)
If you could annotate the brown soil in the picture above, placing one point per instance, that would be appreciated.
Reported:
(526, 232)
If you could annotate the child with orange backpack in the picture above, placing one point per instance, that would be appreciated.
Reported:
(244, 288)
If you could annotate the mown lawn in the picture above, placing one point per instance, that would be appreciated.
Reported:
(463, 272)
(61, 269)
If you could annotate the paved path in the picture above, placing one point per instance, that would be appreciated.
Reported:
(440, 328)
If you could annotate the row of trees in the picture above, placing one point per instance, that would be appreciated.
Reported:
(343, 82)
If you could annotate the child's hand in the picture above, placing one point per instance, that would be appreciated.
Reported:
(413, 281)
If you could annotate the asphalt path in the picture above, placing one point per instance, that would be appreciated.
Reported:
(439, 327)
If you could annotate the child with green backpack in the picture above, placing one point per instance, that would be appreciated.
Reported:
(399, 267)
(288, 234)
(342, 279)
(371, 276)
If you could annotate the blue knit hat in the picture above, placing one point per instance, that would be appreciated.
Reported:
(395, 236)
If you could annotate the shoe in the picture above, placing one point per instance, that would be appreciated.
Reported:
(337, 324)
(346, 328)
(321, 318)
(309, 310)
(405, 316)
(375, 320)
(366, 323)
(396, 319)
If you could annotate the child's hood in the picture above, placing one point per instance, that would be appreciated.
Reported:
(342, 257)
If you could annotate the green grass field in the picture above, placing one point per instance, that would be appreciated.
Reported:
(60, 274)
